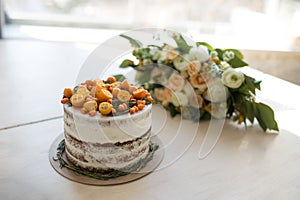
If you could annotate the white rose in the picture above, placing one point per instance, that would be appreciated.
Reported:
(179, 99)
(199, 53)
(180, 63)
(232, 78)
(154, 52)
(218, 110)
(176, 82)
(158, 54)
(162, 56)
(216, 91)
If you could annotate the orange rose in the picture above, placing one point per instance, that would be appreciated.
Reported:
(198, 81)
(194, 67)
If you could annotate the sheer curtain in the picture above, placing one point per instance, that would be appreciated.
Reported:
(1, 18)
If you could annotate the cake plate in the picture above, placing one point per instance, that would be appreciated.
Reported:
(149, 167)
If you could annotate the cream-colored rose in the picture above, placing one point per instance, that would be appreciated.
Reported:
(184, 74)
(176, 82)
(162, 57)
(198, 81)
(216, 91)
(194, 67)
(165, 103)
(159, 94)
(155, 53)
(224, 65)
(168, 95)
(180, 63)
(199, 53)
(232, 78)
(172, 54)
(167, 47)
(179, 99)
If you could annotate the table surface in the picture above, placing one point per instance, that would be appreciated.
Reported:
(246, 163)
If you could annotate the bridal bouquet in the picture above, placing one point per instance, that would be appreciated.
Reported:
(199, 81)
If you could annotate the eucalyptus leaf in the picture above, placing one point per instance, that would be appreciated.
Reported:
(105, 176)
(127, 63)
(120, 77)
(182, 44)
(134, 43)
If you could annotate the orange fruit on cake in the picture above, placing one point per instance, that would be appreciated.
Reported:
(105, 108)
(123, 96)
(103, 94)
(139, 93)
(77, 100)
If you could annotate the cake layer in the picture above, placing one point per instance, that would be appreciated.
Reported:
(105, 157)
(106, 129)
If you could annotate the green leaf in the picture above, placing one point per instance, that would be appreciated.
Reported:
(143, 53)
(205, 115)
(250, 84)
(248, 109)
(265, 117)
(205, 44)
(220, 53)
(127, 63)
(181, 43)
(120, 77)
(257, 84)
(144, 77)
(230, 105)
(134, 43)
(172, 110)
(236, 53)
(236, 62)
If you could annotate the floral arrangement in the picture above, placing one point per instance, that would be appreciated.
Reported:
(199, 81)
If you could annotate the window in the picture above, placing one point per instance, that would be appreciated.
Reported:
(239, 21)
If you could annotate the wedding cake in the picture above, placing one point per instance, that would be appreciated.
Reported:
(106, 125)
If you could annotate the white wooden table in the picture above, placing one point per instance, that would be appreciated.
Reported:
(245, 163)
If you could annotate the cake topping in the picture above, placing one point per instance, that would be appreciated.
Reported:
(77, 100)
(109, 97)
(105, 108)
(123, 96)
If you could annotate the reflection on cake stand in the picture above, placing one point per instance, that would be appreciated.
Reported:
(148, 168)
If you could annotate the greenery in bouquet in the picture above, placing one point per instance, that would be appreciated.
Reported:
(219, 88)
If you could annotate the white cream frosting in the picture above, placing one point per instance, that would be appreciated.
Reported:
(107, 129)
